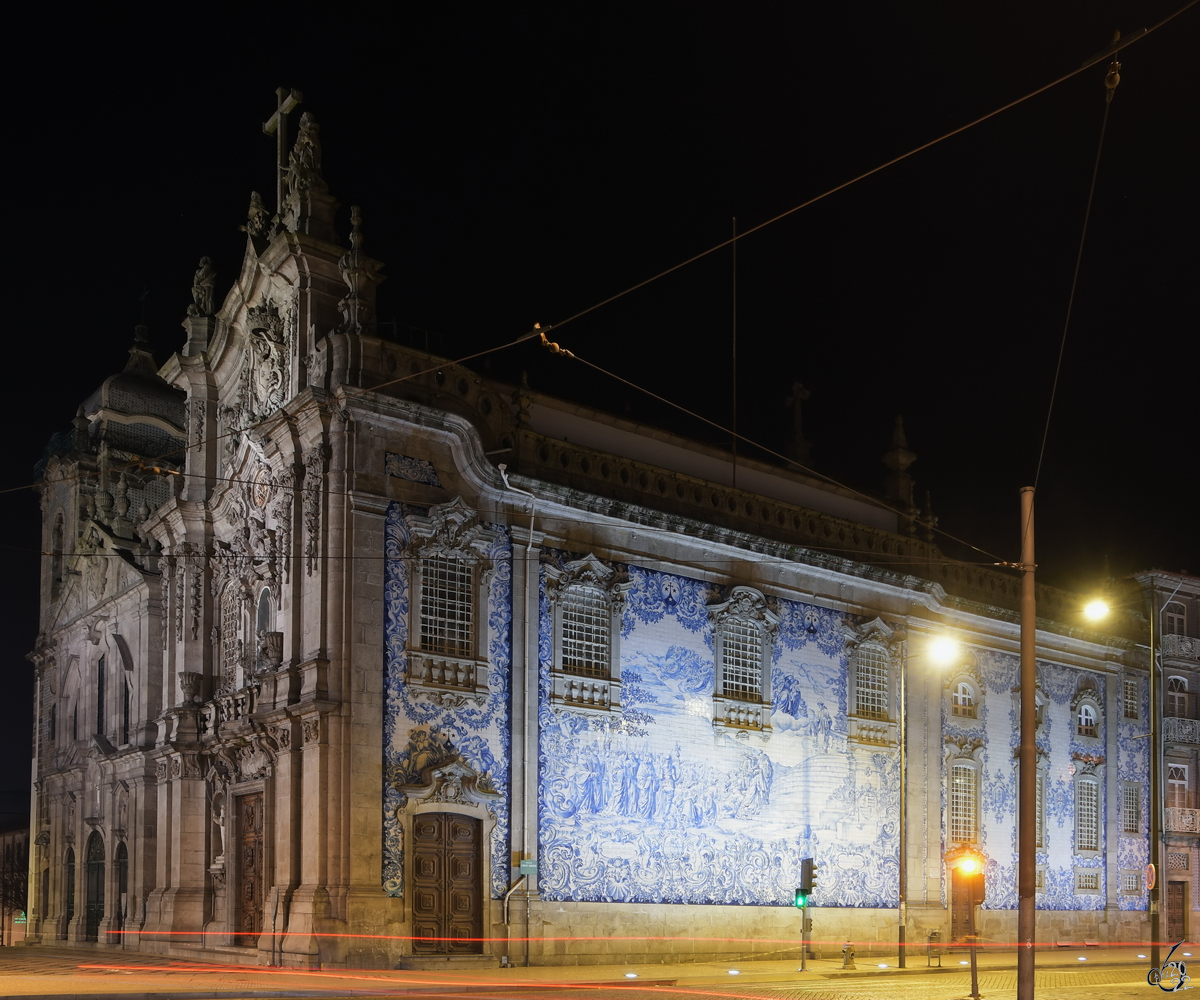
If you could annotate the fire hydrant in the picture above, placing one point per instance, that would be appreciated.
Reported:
(848, 956)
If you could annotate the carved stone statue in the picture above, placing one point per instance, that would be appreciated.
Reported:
(258, 219)
(304, 162)
(204, 289)
(218, 820)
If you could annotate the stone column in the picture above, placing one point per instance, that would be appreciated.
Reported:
(310, 900)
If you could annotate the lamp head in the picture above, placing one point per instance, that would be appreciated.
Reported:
(943, 650)
(1095, 610)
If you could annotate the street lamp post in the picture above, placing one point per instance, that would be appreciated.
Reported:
(941, 651)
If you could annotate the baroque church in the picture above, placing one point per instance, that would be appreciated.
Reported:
(351, 656)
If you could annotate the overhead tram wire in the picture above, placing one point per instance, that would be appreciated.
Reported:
(1100, 56)
(1111, 80)
(563, 352)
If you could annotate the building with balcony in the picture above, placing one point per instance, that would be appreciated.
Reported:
(321, 681)
(1175, 601)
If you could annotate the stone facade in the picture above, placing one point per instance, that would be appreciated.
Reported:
(320, 682)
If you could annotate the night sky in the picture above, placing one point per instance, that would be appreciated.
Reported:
(519, 166)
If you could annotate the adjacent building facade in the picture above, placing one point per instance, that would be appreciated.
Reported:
(349, 655)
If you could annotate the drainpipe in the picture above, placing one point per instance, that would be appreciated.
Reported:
(531, 653)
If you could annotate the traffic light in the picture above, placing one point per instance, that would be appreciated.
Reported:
(806, 877)
(800, 899)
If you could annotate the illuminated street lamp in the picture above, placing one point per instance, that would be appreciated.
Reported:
(941, 651)
(1096, 610)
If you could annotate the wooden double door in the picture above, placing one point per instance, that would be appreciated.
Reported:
(251, 868)
(447, 884)
(1176, 909)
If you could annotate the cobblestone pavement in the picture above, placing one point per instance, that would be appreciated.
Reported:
(109, 975)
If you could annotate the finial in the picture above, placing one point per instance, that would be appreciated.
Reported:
(899, 483)
(358, 271)
(304, 163)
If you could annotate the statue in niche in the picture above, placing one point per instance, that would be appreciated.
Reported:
(204, 285)
(218, 832)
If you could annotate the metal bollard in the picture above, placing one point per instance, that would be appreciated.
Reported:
(848, 956)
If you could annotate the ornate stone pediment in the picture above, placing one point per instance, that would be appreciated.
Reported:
(449, 527)
(452, 781)
(876, 630)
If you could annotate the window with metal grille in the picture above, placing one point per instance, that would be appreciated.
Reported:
(962, 701)
(586, 620)
(1177, 786)
(447, 606)
(1177, 696)
(1040, 881)
(1131, 699)
(964, 816)
(1086, 721)
(1087, 816)
(231, 635)
(741, 661)
(870, 683)
(1131, 808)
(1131, 882)
(1087, 881)
(1040, 812)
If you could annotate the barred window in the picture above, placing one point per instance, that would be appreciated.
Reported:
(586, 623)
(1040, 882)
(741, 661)
(962, 702)
(1131, 882)
(1131, 698)
(447, 611)
(1131, 808)
(1087, 881)
(964, 796)
(870, 683)
(231, 635)
(1087, 816)
(1040, 812)
(1086, 722)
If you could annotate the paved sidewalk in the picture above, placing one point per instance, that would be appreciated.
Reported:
(39, 971)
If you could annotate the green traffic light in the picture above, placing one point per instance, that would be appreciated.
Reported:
(801, 900)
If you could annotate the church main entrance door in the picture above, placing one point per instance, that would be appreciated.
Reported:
(251, 869)
(447, 885)
(94, 876)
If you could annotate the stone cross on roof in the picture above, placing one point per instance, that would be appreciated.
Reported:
(285, 102)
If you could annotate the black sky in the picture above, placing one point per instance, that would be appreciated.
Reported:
(516, 166)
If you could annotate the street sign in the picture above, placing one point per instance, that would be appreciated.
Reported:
(1150, 878)
(20, 918)
(528, 866)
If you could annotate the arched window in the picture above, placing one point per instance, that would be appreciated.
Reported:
(101, 714)
(262, 622)
(1177, 786)
(1177, 697)
(56, 556)
(69, 884)
(962, 700)
(1086, 721)
(1174, 619)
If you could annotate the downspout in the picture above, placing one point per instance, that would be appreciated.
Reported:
(531, 654)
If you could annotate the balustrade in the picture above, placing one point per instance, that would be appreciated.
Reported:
(1181, 730)
(1183, 820)
(1183, 647)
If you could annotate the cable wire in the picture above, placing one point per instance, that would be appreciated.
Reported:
(1088, 64)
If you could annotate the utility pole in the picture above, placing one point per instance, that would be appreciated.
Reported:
(1027, 791)
(1156, 795)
